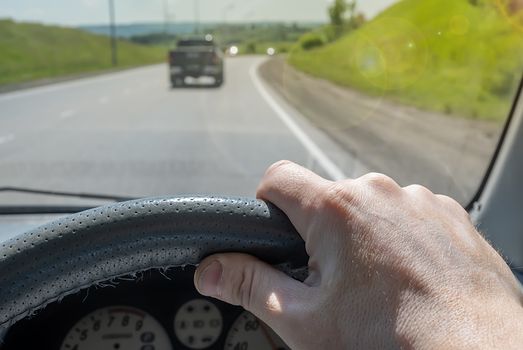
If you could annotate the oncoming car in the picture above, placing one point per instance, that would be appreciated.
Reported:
(114, 186)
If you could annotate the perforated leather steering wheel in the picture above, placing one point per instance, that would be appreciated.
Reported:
(88, 248)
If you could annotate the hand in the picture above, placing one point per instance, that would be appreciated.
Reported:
(390, 267)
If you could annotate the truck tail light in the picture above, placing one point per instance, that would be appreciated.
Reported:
(170, 58)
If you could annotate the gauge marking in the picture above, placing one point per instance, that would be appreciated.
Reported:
(248, 332)
(127, 311)
(118, 327)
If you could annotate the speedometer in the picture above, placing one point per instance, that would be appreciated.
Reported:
(249, 333)
(117, 328)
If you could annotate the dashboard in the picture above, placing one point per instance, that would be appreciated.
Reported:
(156, 310)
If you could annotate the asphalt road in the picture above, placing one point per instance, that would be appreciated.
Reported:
(129, 134)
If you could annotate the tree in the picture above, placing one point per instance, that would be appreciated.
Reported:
(359, 20)
(337, 12)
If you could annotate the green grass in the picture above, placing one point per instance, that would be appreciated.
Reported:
(443, 55)
(30, 51)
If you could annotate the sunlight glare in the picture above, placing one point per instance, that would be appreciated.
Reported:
(273, 304)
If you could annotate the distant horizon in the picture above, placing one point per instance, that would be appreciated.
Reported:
(129, 30)
(179, 28)
(75, 13)
(163, 23)
(203, 23)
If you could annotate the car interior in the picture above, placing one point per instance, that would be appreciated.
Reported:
(100, 237)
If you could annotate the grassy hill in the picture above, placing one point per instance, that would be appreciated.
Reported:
(30, 51)
(460, 57)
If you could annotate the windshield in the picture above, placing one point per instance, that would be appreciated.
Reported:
(100, 96)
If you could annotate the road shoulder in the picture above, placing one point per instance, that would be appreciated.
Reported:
(326, 157)
(448, 154)
(5, 88)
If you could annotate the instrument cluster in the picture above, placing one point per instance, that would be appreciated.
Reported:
(158, 311)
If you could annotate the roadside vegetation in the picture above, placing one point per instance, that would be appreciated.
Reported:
(30, 51)
(459, 57)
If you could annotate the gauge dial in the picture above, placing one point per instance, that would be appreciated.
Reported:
(249, 333)
(198, 324)
(114, 328)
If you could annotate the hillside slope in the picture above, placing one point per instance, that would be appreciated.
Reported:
(444, 55)
(30, 51)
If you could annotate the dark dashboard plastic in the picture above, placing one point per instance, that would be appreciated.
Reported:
(159, 293)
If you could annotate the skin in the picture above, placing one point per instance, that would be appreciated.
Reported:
(390, 267)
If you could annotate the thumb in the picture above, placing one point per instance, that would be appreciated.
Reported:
(269, 294)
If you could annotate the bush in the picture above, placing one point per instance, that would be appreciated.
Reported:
(329, 32)
(310, 41)
(250, 48)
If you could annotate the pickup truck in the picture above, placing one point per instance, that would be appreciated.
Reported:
(196, 58)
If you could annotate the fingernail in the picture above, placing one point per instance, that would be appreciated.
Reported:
(209, 279)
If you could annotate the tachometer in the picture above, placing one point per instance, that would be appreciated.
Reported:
(249, 333)
(117, 327)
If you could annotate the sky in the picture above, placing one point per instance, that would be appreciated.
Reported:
(77, 12)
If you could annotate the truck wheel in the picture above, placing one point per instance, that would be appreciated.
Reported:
(218, 80)
(177, 82)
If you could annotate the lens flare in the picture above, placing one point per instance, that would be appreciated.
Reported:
(392, 55)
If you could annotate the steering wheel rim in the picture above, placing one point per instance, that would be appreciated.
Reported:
(85, 249)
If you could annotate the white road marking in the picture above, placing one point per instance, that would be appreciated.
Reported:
(6, 138)
(68, 85)
(127, 91)
(103, 100)
(323, 160)
(68, 113)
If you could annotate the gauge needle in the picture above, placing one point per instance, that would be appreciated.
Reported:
(268, 336)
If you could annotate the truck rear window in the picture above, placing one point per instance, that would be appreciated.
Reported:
(195, 43)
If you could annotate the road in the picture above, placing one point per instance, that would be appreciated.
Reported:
(129, 134)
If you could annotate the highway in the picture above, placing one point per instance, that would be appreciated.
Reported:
(129, 134)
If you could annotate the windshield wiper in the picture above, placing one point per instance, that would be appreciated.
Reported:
(53, 209)
(66, 194)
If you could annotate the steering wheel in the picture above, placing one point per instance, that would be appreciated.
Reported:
(102, 244)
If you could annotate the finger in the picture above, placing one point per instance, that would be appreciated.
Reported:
(243, 280)
(293, 189)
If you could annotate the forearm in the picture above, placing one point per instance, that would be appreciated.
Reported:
(464, 322)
